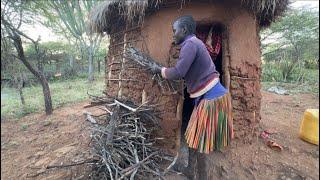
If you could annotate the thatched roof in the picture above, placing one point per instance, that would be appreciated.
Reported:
(117, 13)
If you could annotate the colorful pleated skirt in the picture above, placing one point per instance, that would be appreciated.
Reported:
(211, 125)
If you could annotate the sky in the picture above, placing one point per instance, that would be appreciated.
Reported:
(47, 35)
(297, 4)
(39, 30)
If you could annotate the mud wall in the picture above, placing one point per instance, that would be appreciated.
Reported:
(245, 74)
(241, 49)
(129, 81)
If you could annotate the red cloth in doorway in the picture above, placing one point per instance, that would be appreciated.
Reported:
(216, 43)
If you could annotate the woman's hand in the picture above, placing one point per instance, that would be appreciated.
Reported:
(156, 69)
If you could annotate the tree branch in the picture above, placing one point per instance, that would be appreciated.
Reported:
(15, 30)
(279, 48)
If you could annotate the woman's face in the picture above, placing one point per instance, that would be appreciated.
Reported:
(179, 33)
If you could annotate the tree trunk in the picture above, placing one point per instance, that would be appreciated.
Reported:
(71, 64)
(18, 84)
(99, 66)
(19, 88)
(39, 58)
(90, 73)
(46, 94)
(40, 66)
(21, 97)
(58, 67)
(37, 74)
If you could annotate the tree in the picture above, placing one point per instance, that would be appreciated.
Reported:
(100, 55)
(54, 53)
(13, 15)
(11, 69)
(293, 39)
(70, 17)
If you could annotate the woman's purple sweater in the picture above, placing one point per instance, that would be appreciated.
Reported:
(194, 65)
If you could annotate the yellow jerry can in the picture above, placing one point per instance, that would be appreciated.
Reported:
(309, 127)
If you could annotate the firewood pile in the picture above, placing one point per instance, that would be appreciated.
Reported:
(124, 141)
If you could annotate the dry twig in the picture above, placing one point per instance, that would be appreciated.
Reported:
(124, 146)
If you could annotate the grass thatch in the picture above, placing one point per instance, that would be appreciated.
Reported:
(117, 13)
(266, 10)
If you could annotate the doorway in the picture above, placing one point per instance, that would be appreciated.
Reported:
(203, 31)
(212, 32)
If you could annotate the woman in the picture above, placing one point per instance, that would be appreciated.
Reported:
(210, 126)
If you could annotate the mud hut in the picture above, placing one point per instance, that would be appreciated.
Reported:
(146, 25)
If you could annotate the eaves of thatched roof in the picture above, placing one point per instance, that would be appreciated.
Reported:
(113, 13)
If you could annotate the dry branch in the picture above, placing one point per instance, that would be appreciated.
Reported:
(90, 118)
(146, 62)
(74, 164)
(124, 146)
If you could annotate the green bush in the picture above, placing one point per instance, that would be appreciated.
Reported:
(312, 64)
(299, 80)
(271, 72)
(278, 72)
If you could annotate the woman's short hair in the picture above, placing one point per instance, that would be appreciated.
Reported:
(188, 22)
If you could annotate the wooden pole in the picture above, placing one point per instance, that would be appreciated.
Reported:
(122, 65)
(225, 60)
(110, 71)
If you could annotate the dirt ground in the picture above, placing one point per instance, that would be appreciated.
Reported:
(31, 144)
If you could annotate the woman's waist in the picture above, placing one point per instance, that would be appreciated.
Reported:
(198, 89)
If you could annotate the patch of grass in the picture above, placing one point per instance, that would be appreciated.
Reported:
(47, 123)
(300, 81)
(272, 72)
(10, 144)
(24, 127)
(14, 143)
(312, 76)
(62, 92)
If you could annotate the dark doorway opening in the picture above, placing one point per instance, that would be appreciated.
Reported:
(211, 35)
(215, 51)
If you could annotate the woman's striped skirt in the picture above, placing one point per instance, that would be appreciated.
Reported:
(211, 125)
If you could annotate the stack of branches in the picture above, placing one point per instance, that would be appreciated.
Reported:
(146, 62)
(124, 144)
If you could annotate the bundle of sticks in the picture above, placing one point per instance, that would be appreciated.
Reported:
(146, 62)
(123, 141)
